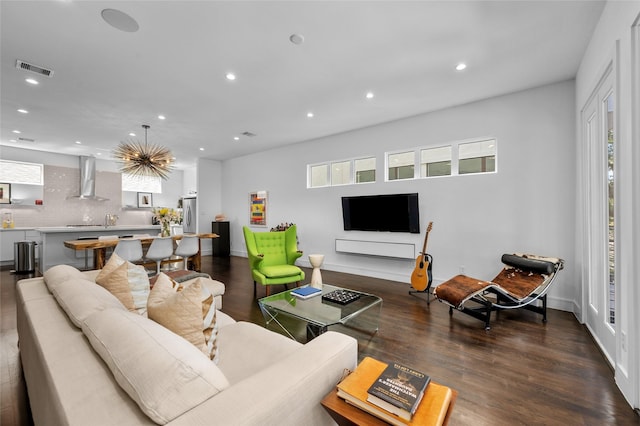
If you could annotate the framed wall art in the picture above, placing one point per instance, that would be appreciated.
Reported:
(5, 193)
(145, 199)
(258, 208)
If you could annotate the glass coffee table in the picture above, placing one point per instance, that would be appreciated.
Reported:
(361, 313)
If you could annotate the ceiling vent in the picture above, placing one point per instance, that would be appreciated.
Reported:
(26, 140)
(33, 68)
(248, 134)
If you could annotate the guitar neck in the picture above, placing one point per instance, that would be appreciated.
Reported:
(426, 238)
(424, 247)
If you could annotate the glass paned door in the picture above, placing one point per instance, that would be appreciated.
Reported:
(608, 107)
(598, 181)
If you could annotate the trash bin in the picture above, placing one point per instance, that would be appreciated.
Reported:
(24, 256)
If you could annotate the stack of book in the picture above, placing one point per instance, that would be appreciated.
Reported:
(306, 292)
(396, 394)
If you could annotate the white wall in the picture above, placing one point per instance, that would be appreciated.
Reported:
(209, 181)
(527, 206)
(190, 181)
(612, 42)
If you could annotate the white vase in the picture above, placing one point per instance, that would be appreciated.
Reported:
(316, 262)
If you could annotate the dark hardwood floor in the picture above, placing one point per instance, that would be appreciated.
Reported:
(520, 372)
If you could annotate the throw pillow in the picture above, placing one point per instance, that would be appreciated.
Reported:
(117, 283)
(135, 278)
(207, 310)
(113, 262)
(179, 311)
(210, 325)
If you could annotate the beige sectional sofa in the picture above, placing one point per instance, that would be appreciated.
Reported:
(89, 361)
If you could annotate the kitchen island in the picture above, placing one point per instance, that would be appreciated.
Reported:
(100, 246)
(52, 250)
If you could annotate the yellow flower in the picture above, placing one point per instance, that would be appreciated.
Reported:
(166, 214)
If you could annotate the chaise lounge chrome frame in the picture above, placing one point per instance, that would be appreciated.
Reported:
(504, 297)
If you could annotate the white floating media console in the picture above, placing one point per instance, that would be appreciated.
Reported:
(376, 248)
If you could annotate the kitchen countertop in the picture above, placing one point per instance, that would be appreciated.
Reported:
(92, 228)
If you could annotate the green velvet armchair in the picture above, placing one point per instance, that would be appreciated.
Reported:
(272, 256)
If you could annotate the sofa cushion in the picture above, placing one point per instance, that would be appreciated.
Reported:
(60, 273)
(80, 298)
(279, 271)
(130, 284)
(248, 348)
(162, 372)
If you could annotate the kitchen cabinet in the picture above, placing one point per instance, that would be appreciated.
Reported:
(8, 238)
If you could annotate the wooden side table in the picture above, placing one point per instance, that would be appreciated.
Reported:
(346, 414)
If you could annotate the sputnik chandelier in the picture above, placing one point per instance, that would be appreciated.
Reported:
(140, 159)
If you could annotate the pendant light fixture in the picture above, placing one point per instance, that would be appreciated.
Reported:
(145, 159)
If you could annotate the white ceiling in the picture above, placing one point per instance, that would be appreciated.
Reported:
(107, 82)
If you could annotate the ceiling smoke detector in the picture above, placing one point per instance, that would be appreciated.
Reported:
(33, 68)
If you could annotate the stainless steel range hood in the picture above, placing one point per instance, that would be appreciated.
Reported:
(88, 180)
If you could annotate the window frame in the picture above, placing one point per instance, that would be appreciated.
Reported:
(477, 140)
(455, 161)
(387, 164)
(421, 149)
(352, 171)
(153, 183)
(4, 164)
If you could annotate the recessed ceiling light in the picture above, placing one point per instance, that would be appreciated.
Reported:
(78, 143)
(23, 111)
(369, 95)
(132, 134)
(230, 76)
(201, 149)
(296, 38)
(309, 115)
(162, 117)
(461, 66)
(16, 132)
(99, 153)
(236, 138)
(120, 20)
(31, 81)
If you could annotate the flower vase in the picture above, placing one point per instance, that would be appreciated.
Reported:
(166, 230)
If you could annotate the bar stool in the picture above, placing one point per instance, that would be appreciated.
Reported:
(189, 245)
(129, 249)
(160, 248)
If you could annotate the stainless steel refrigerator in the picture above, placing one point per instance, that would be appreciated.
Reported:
(189, 215)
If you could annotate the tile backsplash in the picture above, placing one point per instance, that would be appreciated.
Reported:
(58, 210)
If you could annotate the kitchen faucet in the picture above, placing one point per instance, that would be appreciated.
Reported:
(110, 219)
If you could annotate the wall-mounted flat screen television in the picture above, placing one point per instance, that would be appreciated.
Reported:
(383, 213)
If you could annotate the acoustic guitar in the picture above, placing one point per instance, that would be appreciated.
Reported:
(419, 276)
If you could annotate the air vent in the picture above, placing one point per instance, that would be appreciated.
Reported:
(26, 140)
(248, 134)
(33, 68)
